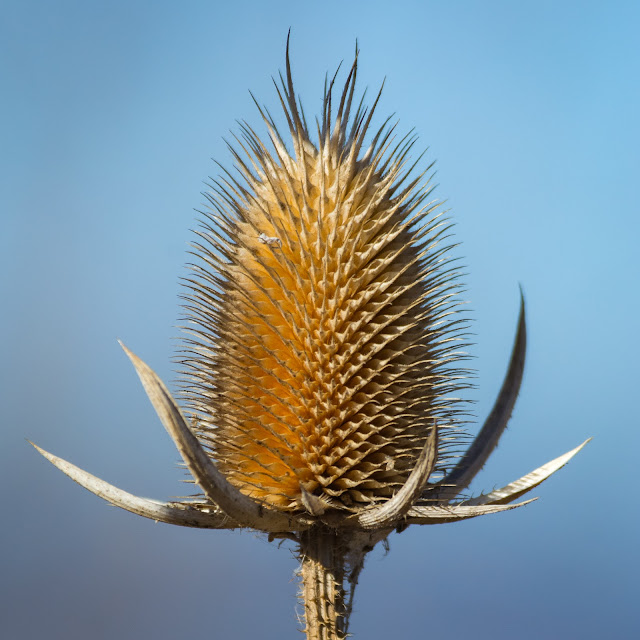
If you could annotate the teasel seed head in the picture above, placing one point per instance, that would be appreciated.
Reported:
(325, 363)
(328, 343)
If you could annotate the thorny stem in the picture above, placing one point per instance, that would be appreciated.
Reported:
(323, 566)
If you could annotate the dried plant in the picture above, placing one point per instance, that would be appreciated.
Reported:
(325, 358)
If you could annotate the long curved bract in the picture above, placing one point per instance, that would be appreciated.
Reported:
(494, 426)
(515, 490)
(171, 513)
(238, 506)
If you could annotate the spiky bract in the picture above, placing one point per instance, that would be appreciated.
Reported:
(324, 319)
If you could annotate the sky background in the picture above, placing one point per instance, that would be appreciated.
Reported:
(111, 114)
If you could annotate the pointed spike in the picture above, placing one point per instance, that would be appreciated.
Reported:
(495, 424)
(387, 514)
(516, 489)
(291, 96)
(232, 501)
(159, 511)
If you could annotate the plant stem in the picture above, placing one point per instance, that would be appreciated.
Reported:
(322, 558)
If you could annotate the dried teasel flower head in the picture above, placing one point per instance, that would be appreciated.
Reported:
(324, 364)
(327, 344)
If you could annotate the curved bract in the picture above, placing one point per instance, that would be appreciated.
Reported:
(324, 364)
(236, 505)
(389, 513)
(515, 490)
(183, 514)
(494, 426)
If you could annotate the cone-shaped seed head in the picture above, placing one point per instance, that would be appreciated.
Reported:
(325, 332)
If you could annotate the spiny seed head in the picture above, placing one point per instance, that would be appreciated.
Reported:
(323, 365)
(325, 328)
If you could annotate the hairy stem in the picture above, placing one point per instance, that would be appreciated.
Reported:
(322, 558)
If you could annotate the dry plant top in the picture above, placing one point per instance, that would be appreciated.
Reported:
(324, 356)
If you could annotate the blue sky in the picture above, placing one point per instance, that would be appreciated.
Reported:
(111, 114)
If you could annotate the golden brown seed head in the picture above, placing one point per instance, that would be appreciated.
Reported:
(325, 328)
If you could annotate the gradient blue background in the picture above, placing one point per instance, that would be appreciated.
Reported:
(111, 113)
